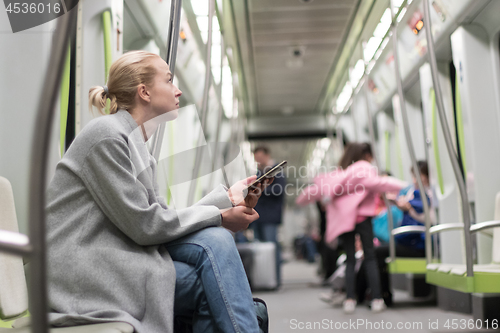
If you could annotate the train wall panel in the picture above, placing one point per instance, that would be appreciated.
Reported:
(449, 210)
(23, 61)
(90, 56)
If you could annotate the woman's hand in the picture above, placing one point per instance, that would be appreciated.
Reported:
(255, 192)
(240, 195)
(238, 191)
(238, 218)
(403, 204)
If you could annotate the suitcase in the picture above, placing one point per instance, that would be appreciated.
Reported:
(259, 261)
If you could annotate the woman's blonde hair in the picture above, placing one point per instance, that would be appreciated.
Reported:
(126, 73)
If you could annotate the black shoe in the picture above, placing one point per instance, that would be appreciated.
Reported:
(262, 315)
(387, 296)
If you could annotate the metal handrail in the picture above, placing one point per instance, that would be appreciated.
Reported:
(15, 243)
(408, 229)
(36, 249)
(219, 122)
(459, 226)
(173, 40)
(484, 225)
(411, 150)
(449, 143)
(445, 227)
(204, 106)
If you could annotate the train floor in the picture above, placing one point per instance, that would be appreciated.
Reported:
(295, 307)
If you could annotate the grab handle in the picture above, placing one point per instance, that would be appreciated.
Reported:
(108, 49)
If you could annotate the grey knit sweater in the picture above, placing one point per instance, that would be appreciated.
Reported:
(106, 226)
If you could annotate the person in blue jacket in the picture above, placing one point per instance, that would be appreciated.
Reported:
(410, 202)
(270, 205)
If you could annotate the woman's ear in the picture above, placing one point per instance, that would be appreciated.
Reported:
(143, 93)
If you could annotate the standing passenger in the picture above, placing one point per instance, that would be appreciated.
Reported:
(270, 205)
(116, 252)
(353, 191)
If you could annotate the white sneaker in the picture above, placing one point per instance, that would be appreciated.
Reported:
(349, 306)
(378, 305)
(334, 298)
(327, 296)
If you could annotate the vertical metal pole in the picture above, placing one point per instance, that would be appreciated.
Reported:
(204, 106)
(173, 40)
(38, 172)
(406, 126)
(329, 135)
(371, 130)
(447, 138)
(219, 119)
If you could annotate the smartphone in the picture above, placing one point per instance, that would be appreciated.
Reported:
(270, 174)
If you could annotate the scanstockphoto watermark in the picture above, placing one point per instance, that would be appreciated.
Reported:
(382, 325)
(325, 189)
(355, 324)
(309, 171)
(184, 143)
(334, 181)
(26, 14)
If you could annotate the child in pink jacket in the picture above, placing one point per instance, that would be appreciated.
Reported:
(352, 190)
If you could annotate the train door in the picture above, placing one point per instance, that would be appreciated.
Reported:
(441, 171)
(478, 113)
(389, 145)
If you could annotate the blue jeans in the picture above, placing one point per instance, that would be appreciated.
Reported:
(214, 259)
(191, 303)
(268, 232)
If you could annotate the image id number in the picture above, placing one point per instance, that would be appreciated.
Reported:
(463, 324)
(38, 8)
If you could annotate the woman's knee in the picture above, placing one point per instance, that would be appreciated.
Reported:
(215, 237)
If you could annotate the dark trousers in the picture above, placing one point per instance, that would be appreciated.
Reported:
(365, 231)
(329, 256)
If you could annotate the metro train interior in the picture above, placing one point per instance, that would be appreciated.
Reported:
(417, 79)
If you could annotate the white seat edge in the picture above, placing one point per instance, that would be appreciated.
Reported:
(115, 327)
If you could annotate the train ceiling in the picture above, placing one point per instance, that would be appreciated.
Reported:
(288, 48)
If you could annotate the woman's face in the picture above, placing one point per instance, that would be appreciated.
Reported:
(163, 93)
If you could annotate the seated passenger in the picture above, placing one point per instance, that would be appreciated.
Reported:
(116, 252)
(407, 245)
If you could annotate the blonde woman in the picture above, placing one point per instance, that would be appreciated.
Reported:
(116, 252)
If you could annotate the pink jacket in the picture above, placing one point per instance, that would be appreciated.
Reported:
(352, 192)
